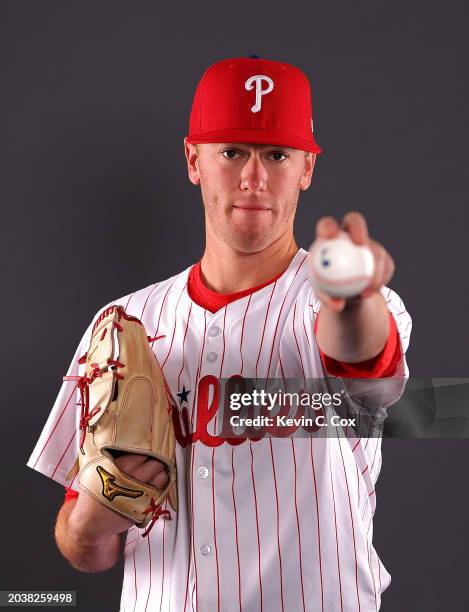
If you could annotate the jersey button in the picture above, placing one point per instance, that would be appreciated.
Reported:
(214, 331)
(211, 357)
(202, 472)
(205, 550)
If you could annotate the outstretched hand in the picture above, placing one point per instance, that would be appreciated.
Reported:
(355, 225)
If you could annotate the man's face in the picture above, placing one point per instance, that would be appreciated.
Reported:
(250, 191)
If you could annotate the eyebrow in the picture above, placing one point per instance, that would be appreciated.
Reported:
(248, 145)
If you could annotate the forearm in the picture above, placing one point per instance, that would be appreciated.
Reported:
(357, 333)
(88, 544)
(88, 534)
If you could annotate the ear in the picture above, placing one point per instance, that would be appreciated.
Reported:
(192, 162)
(307, 175)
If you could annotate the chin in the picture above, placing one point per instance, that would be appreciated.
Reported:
(249, 244)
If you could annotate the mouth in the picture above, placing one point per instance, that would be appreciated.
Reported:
(250, 208)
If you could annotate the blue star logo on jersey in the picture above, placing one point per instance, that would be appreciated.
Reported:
(183, 395)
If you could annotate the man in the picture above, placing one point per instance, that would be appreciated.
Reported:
(277, 523)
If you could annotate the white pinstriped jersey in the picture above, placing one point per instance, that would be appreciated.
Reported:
(275, 524)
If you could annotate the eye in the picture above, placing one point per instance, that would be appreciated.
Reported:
(230, 153)
(277, 153)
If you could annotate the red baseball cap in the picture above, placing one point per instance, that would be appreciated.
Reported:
(253, 100)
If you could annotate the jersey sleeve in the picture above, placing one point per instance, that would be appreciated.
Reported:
(383, 365)
(390, 365)
(403, 323)
(391, 361)
(57, 447)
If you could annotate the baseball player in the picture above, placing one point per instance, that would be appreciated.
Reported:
(267, 524)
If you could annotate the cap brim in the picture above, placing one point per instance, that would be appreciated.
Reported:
(253, 136)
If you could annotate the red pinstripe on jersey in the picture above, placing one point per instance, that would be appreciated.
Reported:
(298, 346)
(317, 523)
(352, 525)
(63, 455)
(49, 437)
(242, 334)
(150, 574)
(163, 302)
(264, 326)
(278, 524)
(162, 556)
(135, 580)
(236, 529)
(215, 529)
(184, 346)
(191, 554)
(257, 524)
(336, 534)
(298, 527)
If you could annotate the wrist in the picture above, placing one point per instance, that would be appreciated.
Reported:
(92, 523)
(355, 334)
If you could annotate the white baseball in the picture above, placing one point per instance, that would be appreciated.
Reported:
(339, 267)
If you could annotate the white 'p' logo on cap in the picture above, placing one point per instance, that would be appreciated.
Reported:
(258, 79)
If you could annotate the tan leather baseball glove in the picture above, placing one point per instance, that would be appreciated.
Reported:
(125, 407)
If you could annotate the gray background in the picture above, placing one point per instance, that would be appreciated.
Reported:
(95, 202)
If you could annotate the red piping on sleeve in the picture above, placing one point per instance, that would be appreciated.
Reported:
(70, 494)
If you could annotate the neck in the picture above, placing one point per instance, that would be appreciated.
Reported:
(226, 270)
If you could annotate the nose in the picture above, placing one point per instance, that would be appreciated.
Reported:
(254, 175)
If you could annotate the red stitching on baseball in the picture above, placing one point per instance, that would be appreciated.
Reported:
(341, 281)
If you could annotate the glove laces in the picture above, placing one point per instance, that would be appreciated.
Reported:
(83, 383)
(157, 511)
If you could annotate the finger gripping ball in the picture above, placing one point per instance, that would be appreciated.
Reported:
(339, 267)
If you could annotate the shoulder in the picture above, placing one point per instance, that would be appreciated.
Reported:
(146, 302)
(296, 279)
